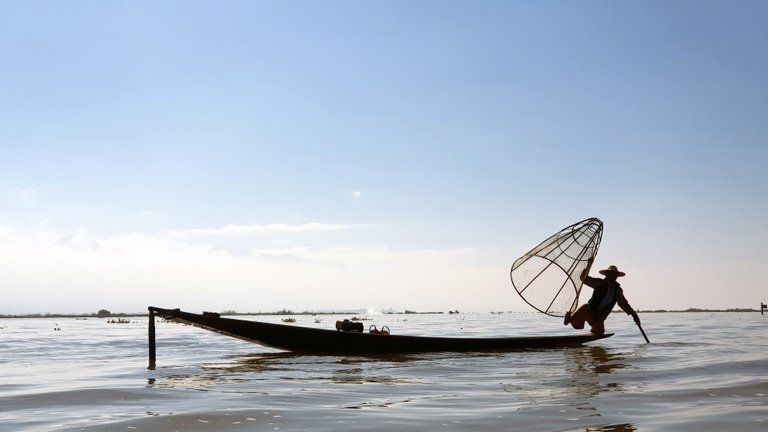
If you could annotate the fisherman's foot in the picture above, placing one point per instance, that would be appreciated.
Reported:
(567, 319)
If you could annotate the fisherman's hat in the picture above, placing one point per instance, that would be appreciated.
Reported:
(612, 269)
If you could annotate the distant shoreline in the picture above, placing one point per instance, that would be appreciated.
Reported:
(222, 313)
(700, 310)
(107, 314)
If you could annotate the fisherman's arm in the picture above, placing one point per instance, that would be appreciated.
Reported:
(592, 282)
(624, 305)
(586, 278)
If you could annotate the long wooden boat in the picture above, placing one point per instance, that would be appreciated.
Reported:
(312, 340)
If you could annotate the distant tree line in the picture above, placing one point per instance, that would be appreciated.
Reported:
(707, 310)
(102, 313)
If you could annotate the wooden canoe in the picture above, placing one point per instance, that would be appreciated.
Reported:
(312, 340)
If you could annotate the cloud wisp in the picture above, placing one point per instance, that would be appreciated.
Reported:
(131, 271)
(258, 229)
(27, 196)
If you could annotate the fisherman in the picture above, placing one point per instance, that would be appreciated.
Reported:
(607, 293)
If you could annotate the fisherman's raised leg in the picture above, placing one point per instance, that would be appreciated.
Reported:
(578, 318)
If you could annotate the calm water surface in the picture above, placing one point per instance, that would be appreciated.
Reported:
(701, 372)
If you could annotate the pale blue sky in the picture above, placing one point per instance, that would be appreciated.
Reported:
(358, 148)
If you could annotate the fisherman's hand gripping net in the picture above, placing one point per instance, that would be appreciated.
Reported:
(548, 277)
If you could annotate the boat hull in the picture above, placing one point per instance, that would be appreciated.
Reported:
(312, 340)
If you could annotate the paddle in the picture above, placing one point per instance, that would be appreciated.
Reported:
(637, 321)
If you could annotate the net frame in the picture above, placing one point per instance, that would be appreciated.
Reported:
(553, 268)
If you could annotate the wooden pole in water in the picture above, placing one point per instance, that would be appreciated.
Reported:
(643, 332)
(151, 330)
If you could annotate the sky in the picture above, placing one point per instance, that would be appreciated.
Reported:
(261, 155)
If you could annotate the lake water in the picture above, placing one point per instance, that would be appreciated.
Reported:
(701, 372)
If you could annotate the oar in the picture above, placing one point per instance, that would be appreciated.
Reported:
(641, 331)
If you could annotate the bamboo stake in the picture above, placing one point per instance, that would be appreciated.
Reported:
(152, 346)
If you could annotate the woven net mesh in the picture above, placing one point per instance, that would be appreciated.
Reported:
(548, 276)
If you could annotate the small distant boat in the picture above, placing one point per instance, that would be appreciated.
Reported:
(313, 340)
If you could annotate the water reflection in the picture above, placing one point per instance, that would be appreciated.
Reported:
(585, 368)
(588, 367)
(286, 367)
(622, 427)
(619, 427)
(590, 370)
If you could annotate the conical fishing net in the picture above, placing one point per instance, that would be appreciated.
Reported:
(548, 276)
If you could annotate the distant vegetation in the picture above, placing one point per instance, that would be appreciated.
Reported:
(102, 313)
(705, 310)
(290, 312)
(331, 312)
